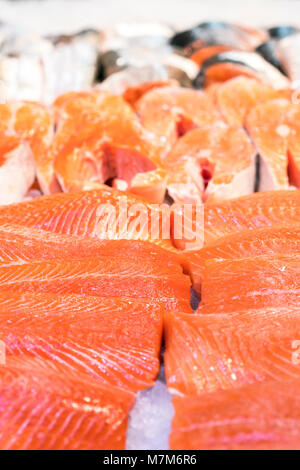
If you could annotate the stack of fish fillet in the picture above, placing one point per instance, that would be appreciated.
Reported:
(81, 320)
(234, 366)
(94, 271)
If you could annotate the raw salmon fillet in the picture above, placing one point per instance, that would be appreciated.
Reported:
(34, 124)
(133, 93)
(113, 340)
(209, 353)
(259, 416)
(265, 274)
(277, 141)
(237, 96)
(221, 161)
(268, 130)
(99, 138)
(170, 112)
(97, 213)
(243, 245)
(252, 300)
(293, 138)
(20, 244)
(56, 409)
(102, 277)
(251, 212)
(17, 169)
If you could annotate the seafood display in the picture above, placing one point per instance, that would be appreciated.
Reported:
(150, 216)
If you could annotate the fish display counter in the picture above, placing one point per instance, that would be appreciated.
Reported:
(149, 226)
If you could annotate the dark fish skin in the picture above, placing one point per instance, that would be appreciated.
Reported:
(219, 33)
(195, 299)
(108, 64)
(175, 66)
(185, 38)
(205, 32)
(251, 60)
(268, 51)
(282, 31)
(216, 59)
(213, 25)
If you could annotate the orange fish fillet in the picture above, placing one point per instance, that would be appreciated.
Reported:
(33, 123)
(243, 245)
(46, 408)
(287, 296)
(260, 416)
(112, 340)
(208, 353)
(293, 125)
(17, 169)
(170, 112)
(219, 162)
(104, 213)
(99, 138)
(238, 95)
(102, 277)
(250, 212)
(266, 126)
(20, 244)
(133, 93)
(265, 274)
(277, 141)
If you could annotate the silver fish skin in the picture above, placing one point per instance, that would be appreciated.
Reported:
(288, 51)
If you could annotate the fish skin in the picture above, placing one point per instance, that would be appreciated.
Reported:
(230, 64)
(115, 341)
(20, 244)
(34, 123)
(265, 274)
(251, 212)
(59, 410)
(243, 245)
(100, 278)
(213, 150)
(17, 169)
(228, 420)
(219, 32)
(212, 352)
(76, 214)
